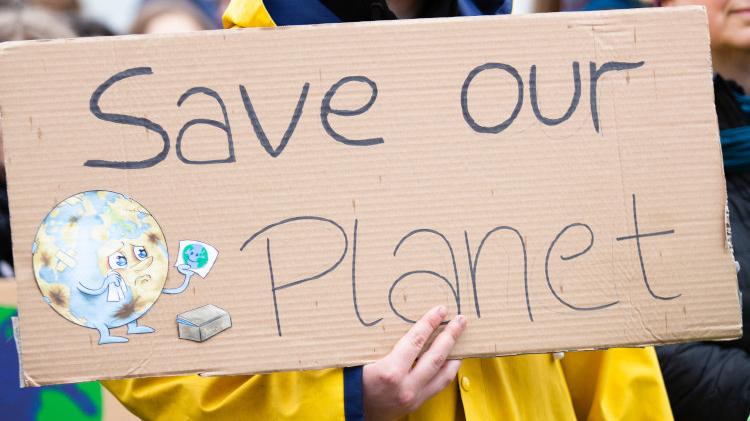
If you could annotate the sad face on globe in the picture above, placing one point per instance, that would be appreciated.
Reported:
(100, 260)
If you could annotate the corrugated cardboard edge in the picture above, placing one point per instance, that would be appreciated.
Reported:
(455, 357)
(22, 382)
(729, 245)
(730, 248)
(29, 382)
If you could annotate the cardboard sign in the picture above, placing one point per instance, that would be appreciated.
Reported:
(556, 178)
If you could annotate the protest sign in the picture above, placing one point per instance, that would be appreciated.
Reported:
(555, 178)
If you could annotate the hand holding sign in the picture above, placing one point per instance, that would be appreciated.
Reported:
(396, 384)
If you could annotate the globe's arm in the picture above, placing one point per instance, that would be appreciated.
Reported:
(185, 270)
(112, 278)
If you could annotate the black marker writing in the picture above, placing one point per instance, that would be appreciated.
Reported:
(573, 102)
(637, 237)
(213, 123)
(354, 281)
(326, 110)
(473, 263)
(455, 290)
(126, 119)
(465, 98)
(274, 286)
(258, 128)
(571, 257)
(596, 74)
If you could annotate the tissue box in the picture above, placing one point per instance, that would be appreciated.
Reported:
(202, 323)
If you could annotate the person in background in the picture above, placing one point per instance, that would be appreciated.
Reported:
(84, 27)
(32, 22)
(711, 380)
(63, 12)
(172, 16)
(617, 384)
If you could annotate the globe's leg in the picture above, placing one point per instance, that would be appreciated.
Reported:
(105, 337)
(134, 328)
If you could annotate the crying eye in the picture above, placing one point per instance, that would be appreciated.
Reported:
(118, 261)
(140, 252)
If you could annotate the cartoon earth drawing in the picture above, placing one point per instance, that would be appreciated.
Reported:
(101, 261)
(195, 256)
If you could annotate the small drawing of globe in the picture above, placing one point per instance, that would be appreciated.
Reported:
(100, 259)
(195, 256)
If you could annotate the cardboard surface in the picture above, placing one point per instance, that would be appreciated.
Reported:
(374, 170)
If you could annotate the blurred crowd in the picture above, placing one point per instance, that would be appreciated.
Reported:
(43, 19)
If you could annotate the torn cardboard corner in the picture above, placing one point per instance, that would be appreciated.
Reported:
(17, 341)
(525, 171)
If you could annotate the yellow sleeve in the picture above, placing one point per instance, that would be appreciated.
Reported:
(246, 14)
(617, 384)
(295, 395)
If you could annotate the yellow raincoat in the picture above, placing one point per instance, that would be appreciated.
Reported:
(617, 384)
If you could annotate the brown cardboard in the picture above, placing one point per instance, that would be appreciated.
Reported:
(437, 175)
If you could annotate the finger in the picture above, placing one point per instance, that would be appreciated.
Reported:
(442, 379)
(432, 361)
(410, 345)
